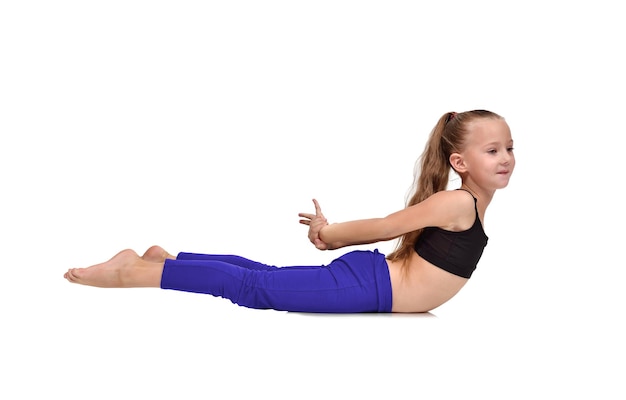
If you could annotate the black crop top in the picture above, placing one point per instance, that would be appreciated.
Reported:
(455, 252)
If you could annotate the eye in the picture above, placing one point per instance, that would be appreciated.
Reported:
(492, 151)
(509, 149)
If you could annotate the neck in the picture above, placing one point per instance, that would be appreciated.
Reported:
(483, 196)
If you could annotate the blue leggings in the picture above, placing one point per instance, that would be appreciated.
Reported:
(355, 282)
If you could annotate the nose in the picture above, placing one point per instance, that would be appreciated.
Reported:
(507, 158)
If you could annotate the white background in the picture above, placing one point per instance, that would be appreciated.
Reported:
(207, 126)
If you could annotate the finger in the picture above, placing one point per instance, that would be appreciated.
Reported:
(320, 245)
(304, 215)
(318, 209)
(305, 222)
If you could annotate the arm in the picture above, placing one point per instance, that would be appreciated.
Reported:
(350, 233)
(446, 209)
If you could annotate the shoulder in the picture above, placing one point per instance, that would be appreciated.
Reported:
(457, 208)
(450, 209)
(456, 199)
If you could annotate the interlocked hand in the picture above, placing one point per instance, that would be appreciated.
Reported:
(315, 222)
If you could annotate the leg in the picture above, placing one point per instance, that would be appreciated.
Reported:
(235, 260)
(230, 259)
(126, 269)
(357, 282)
(158, 254)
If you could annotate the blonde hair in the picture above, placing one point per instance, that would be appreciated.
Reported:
(447, 137)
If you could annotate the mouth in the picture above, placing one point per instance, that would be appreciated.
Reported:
(503, 173)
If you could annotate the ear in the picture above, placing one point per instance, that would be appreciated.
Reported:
(458, 163)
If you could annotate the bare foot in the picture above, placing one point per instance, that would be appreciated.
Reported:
(125, 269)
(157, 254)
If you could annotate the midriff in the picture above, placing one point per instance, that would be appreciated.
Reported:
(421, 286)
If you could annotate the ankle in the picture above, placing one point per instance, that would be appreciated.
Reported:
(141, 273)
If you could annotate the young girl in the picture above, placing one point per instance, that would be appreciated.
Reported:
(441, 240)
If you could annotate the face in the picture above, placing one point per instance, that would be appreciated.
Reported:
(488, 157)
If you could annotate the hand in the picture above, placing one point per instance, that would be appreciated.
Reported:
(315, 222)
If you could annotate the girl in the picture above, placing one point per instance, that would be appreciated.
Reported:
(441, 240)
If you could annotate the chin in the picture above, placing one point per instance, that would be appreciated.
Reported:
(503, 185)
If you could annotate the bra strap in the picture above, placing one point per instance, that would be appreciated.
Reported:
(475, 199)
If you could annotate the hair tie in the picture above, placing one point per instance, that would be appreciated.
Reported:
(450, 117)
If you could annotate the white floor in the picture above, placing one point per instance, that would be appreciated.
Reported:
(79, 342)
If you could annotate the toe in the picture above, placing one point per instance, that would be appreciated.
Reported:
(72, 275)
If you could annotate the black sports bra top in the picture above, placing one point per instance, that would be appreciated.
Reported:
(455, 252)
